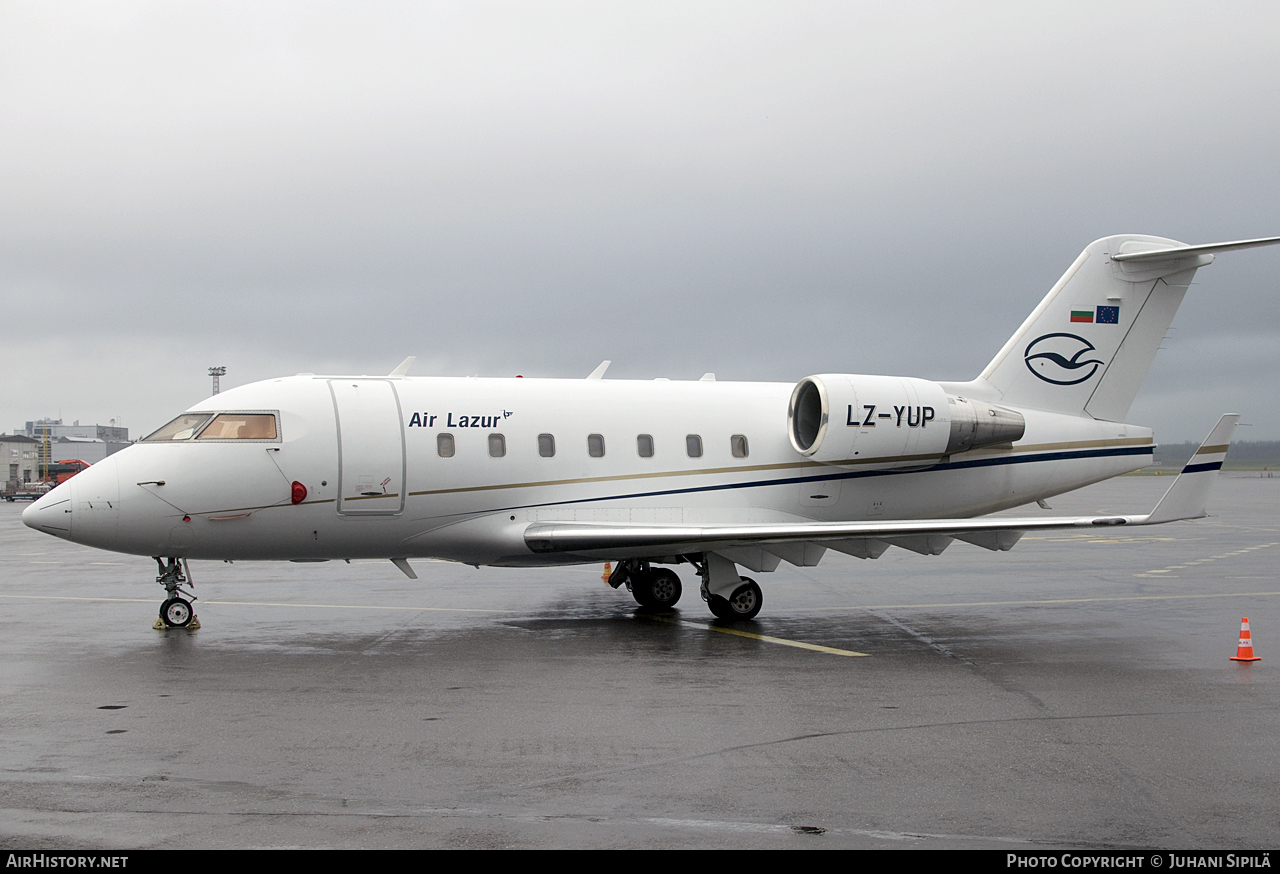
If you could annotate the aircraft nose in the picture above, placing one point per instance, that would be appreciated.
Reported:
(51, 513)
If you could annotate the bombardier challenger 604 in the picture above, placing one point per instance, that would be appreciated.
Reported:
(652, 475)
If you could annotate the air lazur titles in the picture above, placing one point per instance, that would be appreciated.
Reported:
(458, 420)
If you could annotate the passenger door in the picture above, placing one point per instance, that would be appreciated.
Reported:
(371, 455)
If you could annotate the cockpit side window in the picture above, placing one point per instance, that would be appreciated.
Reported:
(182, 428)
(240, 426)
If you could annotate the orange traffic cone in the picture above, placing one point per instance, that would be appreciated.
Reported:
(1244, 653)
(608, 572)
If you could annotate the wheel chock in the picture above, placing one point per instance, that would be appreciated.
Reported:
(190, 626)
(1244, 652)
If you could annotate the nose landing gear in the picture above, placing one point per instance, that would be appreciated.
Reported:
(176, 611)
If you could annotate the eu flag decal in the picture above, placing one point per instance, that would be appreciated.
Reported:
(1082, 315)
(1108, 315)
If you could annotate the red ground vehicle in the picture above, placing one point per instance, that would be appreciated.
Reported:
(61, 471)
(58, 473)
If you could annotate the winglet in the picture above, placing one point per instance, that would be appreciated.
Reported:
(598, 373)
(403, 367)
(1189, 493)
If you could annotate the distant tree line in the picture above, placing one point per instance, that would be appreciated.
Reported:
(1243, 454)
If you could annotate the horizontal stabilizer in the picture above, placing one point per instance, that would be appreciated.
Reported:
(1162, 254)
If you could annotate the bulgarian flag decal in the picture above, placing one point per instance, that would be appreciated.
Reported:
(1107, 315)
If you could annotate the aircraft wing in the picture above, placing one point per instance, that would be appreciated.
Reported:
(803, 543)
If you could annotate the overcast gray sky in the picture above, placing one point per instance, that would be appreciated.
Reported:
(760, 190)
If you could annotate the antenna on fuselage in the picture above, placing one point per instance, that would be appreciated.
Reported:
(403, 367)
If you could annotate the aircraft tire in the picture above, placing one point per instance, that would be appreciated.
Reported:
(176, 613)
(659, 589)
(743, 605)
(640, 588)
(664, 588)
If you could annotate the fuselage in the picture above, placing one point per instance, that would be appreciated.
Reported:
(456, 468)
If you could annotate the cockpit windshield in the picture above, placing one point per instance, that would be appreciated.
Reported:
(182, 428)
(240, 426)
(217, 426)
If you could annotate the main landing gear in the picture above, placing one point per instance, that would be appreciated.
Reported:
(742, 604)
(656, 588)
(176, 611)
(730, 597)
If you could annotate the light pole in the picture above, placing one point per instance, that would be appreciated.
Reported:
(216, 372)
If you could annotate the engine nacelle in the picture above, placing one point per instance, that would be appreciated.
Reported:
(841, 418)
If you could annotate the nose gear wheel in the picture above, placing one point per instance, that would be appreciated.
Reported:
(176, 613)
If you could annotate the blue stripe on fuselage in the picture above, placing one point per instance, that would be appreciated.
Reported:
(853, 474)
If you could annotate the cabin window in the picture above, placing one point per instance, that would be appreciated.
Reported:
(738, 445)
(546, 445)
(693, 445)
(444, 445)
(497, 446)
(240, 426)
(182, 428)
(595, 445)
(644, 445)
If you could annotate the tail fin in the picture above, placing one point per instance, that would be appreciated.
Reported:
(1088, 345)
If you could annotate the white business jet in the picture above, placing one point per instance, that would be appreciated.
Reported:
(718, 475)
